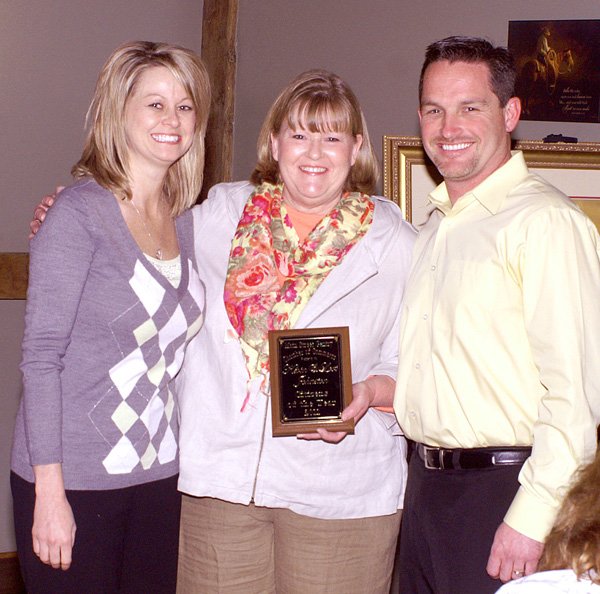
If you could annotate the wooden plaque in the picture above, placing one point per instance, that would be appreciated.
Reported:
(311, 380)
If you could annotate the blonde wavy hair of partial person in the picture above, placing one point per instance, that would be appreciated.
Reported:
(318, 101)
(105, 150)
(574, 541)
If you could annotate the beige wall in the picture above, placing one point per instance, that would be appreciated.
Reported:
(378, 47)
(50, 54)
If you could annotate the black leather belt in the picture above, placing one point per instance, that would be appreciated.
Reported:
(470, 459)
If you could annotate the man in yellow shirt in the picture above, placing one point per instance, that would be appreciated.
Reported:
(500, 338)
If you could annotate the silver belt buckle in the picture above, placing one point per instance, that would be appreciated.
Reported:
(429, 454)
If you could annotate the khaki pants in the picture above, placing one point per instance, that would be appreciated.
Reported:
(243, 549)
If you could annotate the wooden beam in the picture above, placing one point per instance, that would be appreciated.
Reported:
(219, 36)
(10, 575)
(14, 273)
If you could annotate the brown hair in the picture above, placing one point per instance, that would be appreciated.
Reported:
(105, 149)
(574, 541)
(318, 100)
(500, 63)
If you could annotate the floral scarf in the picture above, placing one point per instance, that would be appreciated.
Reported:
(265, 243)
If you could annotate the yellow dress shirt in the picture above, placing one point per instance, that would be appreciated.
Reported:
(500, 334)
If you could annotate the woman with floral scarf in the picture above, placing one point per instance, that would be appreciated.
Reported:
(302, 245)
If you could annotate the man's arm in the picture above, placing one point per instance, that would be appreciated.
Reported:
(560, 272)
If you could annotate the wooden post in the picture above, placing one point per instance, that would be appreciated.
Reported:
(14, 273)
(219, 28)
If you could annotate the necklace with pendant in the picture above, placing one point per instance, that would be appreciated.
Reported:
(158, 254)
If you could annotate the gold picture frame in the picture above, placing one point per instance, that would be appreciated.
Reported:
(409, 175)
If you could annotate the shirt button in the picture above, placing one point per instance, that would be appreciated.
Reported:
(425, 316)
(433, 268)
(413, 414)
(418, 365)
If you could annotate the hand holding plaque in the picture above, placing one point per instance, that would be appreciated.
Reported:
(311, 380)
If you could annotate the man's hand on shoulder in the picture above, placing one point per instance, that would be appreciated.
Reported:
(513, 554)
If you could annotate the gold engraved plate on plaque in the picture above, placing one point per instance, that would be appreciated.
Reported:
(311, 380)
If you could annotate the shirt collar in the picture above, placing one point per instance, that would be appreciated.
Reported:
(492, 191)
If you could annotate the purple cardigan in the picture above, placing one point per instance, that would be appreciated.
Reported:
(105, 334)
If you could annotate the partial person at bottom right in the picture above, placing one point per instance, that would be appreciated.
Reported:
(570, 563)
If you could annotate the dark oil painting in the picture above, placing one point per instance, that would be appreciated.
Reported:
(558, 69)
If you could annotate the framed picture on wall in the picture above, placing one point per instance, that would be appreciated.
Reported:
(409, 176)
(558, 69)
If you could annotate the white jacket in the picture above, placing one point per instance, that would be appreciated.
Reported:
(559, 581)
(231, 455)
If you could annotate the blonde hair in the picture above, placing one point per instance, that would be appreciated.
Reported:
(318, 101)
(105, 151)
(574, 541)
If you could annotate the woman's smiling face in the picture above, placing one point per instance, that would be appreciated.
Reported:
(314, 166)
(159, 121)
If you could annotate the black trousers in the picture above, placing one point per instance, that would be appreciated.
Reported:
(448, 526)
(126, 540)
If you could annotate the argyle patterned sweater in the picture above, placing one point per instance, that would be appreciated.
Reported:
(105, 334)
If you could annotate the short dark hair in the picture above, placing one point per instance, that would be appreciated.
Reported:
(499, 61)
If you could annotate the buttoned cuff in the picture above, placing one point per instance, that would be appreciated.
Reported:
(530, 516)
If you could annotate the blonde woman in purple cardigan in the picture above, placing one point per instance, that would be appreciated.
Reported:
(113, 299)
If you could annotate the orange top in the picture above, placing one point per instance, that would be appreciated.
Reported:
(303, 223)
